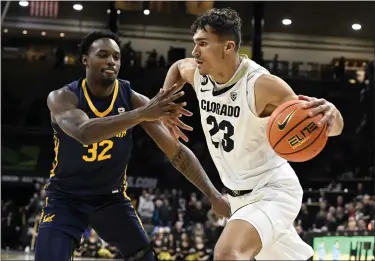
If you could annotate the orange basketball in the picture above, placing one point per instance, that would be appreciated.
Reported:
(293, 134)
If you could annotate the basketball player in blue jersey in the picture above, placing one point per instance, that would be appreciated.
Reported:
(92, 119)
(236, 96)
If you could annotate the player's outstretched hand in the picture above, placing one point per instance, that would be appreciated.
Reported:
(221, 206)
(174, 124)
(162, 105)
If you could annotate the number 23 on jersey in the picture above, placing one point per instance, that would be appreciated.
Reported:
(227, 142)
(93, 153)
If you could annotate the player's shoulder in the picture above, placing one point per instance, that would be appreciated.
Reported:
(254, 69)
(65, 94)
(123, 82)
(75, 85)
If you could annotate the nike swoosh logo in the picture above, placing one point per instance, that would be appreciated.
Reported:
(205, 90)
(286, 120)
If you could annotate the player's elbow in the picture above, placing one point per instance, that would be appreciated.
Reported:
(338, 126)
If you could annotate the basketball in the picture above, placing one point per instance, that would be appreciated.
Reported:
(293, 134)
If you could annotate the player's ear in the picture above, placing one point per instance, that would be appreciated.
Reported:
(85, 60)
(230, 46)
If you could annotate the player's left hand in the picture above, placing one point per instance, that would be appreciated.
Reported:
(321, 106)
(221, 206)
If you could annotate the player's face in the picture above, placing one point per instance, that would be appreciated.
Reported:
(210, 51)
(104, 60)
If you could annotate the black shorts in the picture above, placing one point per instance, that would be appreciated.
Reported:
(112, 217)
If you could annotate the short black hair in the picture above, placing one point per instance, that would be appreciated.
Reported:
(224, 22)
(84, 46)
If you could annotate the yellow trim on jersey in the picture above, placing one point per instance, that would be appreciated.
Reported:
(91, 105)
(136, 214)
(128, 198)
(55, 161)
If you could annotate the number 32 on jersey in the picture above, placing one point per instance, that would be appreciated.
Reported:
(227, 127)
(92, 151)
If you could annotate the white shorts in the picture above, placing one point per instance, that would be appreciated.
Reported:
(272, 208)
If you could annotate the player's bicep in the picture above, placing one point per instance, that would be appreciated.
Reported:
(271, 91)
(64, 112)
(71, 121)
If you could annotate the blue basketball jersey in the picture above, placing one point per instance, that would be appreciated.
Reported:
(98, 168)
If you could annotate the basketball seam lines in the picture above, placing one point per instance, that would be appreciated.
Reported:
(290, 131)
(269, 131)
(317, 137)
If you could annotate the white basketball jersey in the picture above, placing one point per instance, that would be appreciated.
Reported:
(236, 137)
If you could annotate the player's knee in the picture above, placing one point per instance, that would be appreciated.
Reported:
(52, 244)
(145, 254)
(230, 252)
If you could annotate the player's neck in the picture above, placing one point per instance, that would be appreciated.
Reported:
(225, 74)
(98, 89)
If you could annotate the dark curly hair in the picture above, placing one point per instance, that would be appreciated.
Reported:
(225, 22)
(84, 46)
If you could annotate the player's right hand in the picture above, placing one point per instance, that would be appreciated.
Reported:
(162, 105)
(174, 124)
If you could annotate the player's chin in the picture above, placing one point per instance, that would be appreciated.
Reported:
(202, 70)
(107, 80)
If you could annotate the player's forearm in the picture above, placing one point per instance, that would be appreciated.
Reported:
(173, 76)
(98, 129)
(186, 162)
(338, 125)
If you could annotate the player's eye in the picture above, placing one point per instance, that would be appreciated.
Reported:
(102, 55)
(202, 44)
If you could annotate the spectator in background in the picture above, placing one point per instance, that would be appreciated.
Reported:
(368, 209)
(162, 214)
(349, 209)
(340, 201)
(304, 218)
(275, 65)
(340, 70)
(162, 62)
(340, 215)
(321, 217)
(331, 222)
(146, 208)
(351, 225)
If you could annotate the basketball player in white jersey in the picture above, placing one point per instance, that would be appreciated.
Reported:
(236, 96)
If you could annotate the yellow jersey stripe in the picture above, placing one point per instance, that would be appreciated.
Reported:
(91, 105)
(56, 161)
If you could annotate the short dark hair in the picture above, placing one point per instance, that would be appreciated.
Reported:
(84, 46)
(224, 22)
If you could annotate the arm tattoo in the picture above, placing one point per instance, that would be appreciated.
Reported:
(186, 162)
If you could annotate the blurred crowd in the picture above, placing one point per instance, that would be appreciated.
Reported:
(184, 226)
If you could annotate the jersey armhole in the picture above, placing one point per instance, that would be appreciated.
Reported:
(128, 92)
(250, 92)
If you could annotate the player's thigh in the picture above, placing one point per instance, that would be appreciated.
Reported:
(238, 241)
(118, 224)
(288, 246)
(65, 215)
(54, 244)
(271, 209)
